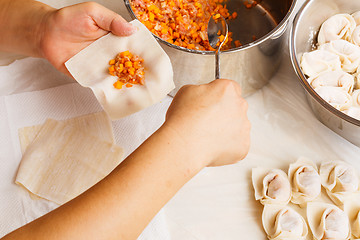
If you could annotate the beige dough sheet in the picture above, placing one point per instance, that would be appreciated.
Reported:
(96, 124)
(90, 68)
(63, 160)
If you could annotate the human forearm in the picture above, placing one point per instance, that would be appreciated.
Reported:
(122, 204)
(206, 125)
(34, 29)
(21, 23)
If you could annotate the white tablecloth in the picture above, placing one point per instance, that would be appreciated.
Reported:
(218, 203)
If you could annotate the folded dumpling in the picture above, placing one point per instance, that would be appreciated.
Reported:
(340, 180)
(305, 181)
(352, 208)
(355, 37)
(339, 26)
(335, 96)
(356, 226)
(355, 95)
(353, 112)
(327, 221)
(282, 222)
(318, 61)
(90, 68)
(271, 186)
(357, 79)
(349, 54)
(356, 16)
(336, 78)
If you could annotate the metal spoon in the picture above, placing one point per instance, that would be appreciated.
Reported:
(217, 23)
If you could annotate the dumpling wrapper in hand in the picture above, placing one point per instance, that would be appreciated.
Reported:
(271, 186)
(305, 181)
(339, 26)
(335, 96)
(327, 221)
(282, 222)
(349, 54)
(340, 181)
(336, 78)
(318, 61)
(90, 68)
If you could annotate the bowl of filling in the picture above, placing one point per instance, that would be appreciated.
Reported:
(252, 51)
(325, 52)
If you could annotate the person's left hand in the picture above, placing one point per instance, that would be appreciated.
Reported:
(68, 30)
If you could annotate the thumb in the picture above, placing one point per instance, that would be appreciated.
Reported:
(111, 21)
(121, 27)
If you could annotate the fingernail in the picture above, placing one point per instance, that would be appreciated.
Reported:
(131, 29)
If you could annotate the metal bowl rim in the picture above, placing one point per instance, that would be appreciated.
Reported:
(300, 74)
(282, 23)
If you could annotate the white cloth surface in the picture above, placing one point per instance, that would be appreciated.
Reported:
(11, 78)
(219, 202)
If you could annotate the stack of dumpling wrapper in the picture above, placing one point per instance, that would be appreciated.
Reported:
(62, 159)
(327, 200)
(333, 69)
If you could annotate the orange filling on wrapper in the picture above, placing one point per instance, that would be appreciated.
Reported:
(183, 23)
(128, 68)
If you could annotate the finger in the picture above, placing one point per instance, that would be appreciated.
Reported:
(238, 89)
(231, 83)
(220, 81)
(121, 27)
(217, 81)
(110, 21)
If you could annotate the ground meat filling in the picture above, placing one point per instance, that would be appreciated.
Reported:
(128, 68)
(182, 22)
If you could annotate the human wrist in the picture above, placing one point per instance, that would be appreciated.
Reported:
(41, 13)
(40, 27)
(195, 155)
(22, 24)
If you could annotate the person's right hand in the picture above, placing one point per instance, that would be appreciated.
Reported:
(211, 120)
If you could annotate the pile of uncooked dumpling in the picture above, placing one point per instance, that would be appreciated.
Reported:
(333, 68)
(327, 200)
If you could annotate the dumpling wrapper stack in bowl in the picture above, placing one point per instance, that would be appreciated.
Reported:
(90, 68)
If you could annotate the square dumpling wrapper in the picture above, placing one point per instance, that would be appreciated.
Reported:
(96, 124)
(64, 160)
(90, 68)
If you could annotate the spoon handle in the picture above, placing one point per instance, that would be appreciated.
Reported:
(217, 64)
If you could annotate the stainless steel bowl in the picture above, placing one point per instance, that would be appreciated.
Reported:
(254, 63)
(302, 39)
